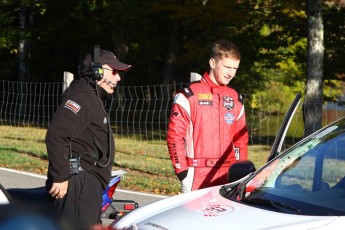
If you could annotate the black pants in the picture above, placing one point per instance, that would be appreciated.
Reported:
(82, 205)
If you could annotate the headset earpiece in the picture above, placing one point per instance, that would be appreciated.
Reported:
(97, 71)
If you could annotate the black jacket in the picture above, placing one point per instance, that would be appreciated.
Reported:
(80, 121)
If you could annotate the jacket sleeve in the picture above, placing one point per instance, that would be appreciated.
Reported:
(69, 120)
(177, 131)
(241, 136)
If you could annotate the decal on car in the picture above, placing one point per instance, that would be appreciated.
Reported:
(217, 210)
(156, 226)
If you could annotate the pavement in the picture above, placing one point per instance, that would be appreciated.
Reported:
(10, 178)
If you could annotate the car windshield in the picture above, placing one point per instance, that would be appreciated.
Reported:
(307, 179)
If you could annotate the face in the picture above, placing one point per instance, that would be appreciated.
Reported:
(223, 70)
(110, 79)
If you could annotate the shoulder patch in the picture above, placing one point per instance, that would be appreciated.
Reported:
(73, 106)
(240, 99)
(187, 91)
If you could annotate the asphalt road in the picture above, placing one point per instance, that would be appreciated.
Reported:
(16, 179)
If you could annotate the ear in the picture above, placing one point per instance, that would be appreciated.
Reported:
(212, 63)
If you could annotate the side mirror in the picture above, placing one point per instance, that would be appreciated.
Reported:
(239, 170)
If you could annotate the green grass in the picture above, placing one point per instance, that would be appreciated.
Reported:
(147, 163)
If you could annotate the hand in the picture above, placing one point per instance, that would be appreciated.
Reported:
(59, 190)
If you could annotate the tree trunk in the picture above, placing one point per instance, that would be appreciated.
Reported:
(174, 47)
(22, 45)
(312, 108)
(22, 66)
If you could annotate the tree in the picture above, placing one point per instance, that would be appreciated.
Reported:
(23, 44)
(334, 68)
(312, 107)
(171, 38)
(174, 47)
(9, 35)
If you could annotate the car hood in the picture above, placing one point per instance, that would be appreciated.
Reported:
(206, 209)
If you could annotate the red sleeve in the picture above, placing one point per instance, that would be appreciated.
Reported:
(176, 136)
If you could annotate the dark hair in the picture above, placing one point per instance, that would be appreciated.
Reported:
(225, 48)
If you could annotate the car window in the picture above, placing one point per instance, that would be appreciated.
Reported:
(309, 175)
(293, 170)
(299, 174)
(334, 162)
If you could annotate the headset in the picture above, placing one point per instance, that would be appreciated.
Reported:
(95, 70)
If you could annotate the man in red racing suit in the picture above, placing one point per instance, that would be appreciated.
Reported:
(207, 128)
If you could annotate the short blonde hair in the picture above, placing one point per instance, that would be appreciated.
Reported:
(225, 48)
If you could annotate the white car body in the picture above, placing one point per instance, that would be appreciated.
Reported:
(206, 209)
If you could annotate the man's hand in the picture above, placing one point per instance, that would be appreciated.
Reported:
(59, 190)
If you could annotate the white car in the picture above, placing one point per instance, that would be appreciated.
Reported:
(300, 188)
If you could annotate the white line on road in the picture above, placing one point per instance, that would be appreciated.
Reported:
(44, 177)
(23, 173)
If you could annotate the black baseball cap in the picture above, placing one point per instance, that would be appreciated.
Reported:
(106, 58)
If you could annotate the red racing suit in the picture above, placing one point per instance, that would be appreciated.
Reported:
(207, 133)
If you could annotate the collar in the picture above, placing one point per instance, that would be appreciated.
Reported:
(207, 79)
(103, 94)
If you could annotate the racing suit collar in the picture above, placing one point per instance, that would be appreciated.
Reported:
(212, 85)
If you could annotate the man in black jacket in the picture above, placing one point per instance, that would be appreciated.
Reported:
(80, 141)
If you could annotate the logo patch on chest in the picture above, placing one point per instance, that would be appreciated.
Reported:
(229, 118)
(73, 106)
(228, 103)
(205, 103)
(204, 96)
(204, 99)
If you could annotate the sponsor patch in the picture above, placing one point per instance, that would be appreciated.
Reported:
(195, 163)
(204, 96)
(228, 103)
(209, 103)
(187, 92)
(229, 118)
(237, 153)
(73, 106)
(240, 99)
(175, 113)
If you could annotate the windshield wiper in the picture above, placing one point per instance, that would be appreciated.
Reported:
(278, 206)
(236, 192)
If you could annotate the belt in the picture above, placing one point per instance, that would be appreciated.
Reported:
(209, 162)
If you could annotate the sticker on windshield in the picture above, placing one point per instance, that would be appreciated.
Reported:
(326, 131)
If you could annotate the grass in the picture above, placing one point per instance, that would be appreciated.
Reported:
(147, 163)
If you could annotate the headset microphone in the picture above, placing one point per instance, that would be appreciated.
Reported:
(109, 82)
